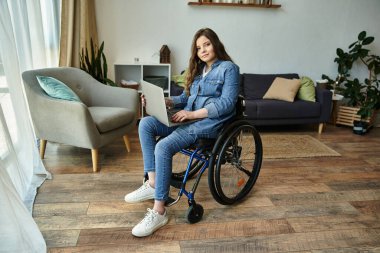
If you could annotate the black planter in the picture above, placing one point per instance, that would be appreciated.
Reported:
(360, 127)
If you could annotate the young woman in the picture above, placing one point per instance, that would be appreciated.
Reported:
(211, 92)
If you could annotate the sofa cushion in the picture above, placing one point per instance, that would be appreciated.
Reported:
(307, 89)
(254, 86)
(175, 90)
(283, 89)
(110, 118)
(277, 109)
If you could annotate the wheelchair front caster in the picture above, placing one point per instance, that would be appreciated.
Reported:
(194, 213)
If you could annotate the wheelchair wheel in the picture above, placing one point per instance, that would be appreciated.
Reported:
(194, 213)
(235, 163)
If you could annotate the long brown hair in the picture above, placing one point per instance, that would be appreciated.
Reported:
(195, 64)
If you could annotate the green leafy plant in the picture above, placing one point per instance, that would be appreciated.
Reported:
(95, 63)
(363, 94)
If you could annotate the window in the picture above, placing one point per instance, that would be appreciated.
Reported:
(4, 102)
(3, 85)
(50, 10)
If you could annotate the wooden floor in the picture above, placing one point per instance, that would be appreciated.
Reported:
(314, 205)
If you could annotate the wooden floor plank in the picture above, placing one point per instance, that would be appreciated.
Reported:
(335, 222)
(139, 247)
(180, 232)
(288, 242)
(60, 209)
(61, 238)
(120, 206)
(89, 221)
(349, 250)
(318, 197)
(275, 212)
(356, 185)
(368, 207)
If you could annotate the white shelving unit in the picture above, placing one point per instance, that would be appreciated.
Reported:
(137, 72)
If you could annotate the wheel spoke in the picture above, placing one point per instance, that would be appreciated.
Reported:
(241, 168)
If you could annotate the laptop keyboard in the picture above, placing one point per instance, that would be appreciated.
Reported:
(171, 112)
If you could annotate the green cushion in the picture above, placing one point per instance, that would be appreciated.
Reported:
(57, 89)
(180, 80)
(307, 89)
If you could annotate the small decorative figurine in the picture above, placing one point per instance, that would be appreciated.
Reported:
(164, 54)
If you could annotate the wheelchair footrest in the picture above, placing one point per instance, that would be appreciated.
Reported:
(169, 201)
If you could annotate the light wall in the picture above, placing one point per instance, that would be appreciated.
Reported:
(300, 37)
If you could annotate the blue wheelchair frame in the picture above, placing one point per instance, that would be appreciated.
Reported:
(193, 154)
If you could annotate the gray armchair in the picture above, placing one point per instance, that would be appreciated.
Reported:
(106, 113)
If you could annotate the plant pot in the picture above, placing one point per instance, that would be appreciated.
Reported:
(360, 127)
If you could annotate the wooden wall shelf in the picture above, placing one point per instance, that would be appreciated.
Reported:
(235, 5)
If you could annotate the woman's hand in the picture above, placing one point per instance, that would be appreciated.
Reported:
(169, 102)
(189, 115)
(143, 101)
(183, 116)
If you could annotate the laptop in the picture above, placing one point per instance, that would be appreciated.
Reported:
(155, 105)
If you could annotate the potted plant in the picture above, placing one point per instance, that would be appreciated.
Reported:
(364, 95)
(95, 63)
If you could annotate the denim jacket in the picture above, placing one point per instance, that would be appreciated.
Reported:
(217, 92)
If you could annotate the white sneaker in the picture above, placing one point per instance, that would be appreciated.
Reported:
(145, 192)
(151, 222)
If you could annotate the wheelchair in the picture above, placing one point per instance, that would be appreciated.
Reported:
(233, 161)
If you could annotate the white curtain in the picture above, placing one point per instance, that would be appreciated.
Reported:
(28, 41)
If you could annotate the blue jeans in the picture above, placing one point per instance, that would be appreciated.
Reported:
(158, 156)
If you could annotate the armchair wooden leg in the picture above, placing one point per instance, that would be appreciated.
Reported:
(320, 128)
(42, 148)
(95, 157)
(127, 143)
